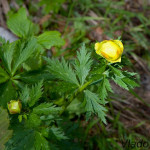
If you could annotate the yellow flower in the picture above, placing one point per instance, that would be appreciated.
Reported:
(14, 107)
(111, 50)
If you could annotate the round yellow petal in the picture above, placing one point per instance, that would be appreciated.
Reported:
(119, 43)
(111, 50)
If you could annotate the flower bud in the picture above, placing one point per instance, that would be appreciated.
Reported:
(111, 50)
(14, 107)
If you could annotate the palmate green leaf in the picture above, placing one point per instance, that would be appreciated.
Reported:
(7, 93)
(120, 82)
(99, 70)
(36, 76)
(6, 54)
(40, 142)
(19, 24)
(3, 75)
(46, 109)
(62, 70)
(129, 74)
(22, 139)
(65, 87)
(25, 95)
(58, 133)
(5, 134)
(116, 71)
(54, 133)
(35, 93)
(33, 121)
(23, 52)
(31, 95)
(103, 89)
(126, 83)
(123, 78)
(108, 85)
(93, 106)
(83, 64)
(49, 39)
(33, 64)
(75, 107)
(131, 83)
(97, 73)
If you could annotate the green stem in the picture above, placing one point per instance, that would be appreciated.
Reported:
(79, 90)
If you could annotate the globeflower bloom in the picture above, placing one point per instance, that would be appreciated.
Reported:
(14, 107)
(111, 50)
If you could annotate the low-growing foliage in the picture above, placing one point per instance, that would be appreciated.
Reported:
(47, 87)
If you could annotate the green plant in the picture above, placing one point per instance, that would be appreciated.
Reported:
(53, 90)
(51, 5)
